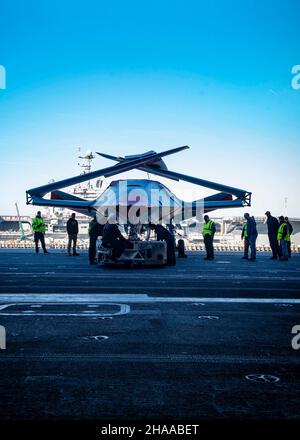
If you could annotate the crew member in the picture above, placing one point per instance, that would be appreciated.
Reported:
(208, 232)
(252, 235)
(290, 232)
(273, 225)
(95, 229)
(39, 228)
(72, 230)
(112, 238)
(283, 237)
(162, 234)
(181, 249)
(244, 237)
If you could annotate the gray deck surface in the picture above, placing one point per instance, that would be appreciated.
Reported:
(180, 340)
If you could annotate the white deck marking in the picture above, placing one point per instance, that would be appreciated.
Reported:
(3, 306)
(124, 309)
(57, 315)
(77, 298)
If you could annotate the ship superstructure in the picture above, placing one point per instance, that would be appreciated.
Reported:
(56, 218)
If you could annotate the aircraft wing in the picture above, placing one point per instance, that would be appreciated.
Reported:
(217, 200)
(35, 195)
(156, 168)
(60, 198)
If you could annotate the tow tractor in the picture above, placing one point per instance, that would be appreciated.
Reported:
(144, 252)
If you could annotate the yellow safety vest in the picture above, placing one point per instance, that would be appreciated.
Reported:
(38, 225)
(280, 232)
(207, 228)
(245, 230)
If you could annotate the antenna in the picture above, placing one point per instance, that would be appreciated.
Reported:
(86, 164)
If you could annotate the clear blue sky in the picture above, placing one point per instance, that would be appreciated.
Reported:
(122, 77)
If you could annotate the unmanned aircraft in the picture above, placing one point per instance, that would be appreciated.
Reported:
(139, 200)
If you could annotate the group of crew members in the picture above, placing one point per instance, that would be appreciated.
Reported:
(279, 234)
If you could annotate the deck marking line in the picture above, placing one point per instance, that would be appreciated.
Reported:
(96, 298)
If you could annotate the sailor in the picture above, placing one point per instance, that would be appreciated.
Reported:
(252, 235)
(72, 230)
(112, 238)
(162, 234)
(244, 237)
(39, 228)
(208, 232)
(273, 225)
(290, 232)
(95, 229)
(283, 237)
(181, 249)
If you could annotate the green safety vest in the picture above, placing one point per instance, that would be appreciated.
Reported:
(38, 225)
(245, 230)
(207, 228)
(280, 231)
